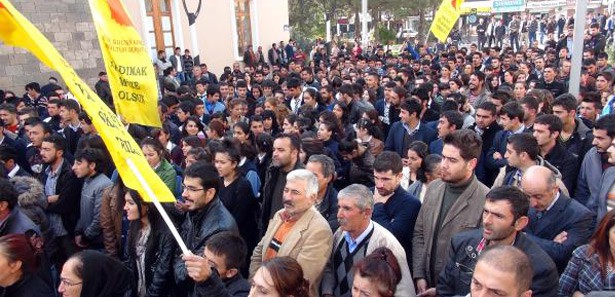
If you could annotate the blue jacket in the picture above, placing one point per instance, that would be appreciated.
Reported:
(436, 146)
(566, 215)
(398, 215)
(395, 139)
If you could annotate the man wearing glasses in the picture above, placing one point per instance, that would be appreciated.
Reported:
(505, 214)
(205, 217)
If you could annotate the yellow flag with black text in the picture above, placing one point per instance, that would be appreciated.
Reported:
(16, 30)
(129, 67)
(446, 17)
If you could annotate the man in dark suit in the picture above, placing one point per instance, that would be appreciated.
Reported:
(389, 107)
(557, 223)
(486, 126)
(394, 208)
(10, 139)
(408, 129)
(505, 214)
(8, 157)
(511, 117)
(69, 112)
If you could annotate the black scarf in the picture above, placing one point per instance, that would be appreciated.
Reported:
(104, 276)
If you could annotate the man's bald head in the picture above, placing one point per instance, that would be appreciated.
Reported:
(504, 269)
(540, 184)
(540, 176)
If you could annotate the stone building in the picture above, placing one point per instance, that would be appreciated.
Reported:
(68, 25)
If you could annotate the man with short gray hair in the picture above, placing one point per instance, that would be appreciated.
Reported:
(357, 237)
(298, 230)
(326, 201)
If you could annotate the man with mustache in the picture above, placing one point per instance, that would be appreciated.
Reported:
(298, 230)
(505, 214)
(356, 237)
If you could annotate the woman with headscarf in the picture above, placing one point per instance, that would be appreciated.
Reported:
(93, 274)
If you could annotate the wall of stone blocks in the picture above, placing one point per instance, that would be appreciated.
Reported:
(68, 25)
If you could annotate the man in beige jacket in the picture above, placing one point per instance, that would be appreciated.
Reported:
(298, 230)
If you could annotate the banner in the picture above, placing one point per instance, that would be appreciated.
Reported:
(17, 31)
(446, 17)
(129, 66)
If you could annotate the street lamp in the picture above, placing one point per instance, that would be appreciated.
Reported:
(192, 24)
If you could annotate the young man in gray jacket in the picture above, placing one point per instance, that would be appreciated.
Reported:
(88, 166)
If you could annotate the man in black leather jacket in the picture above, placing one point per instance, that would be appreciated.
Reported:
(504, 216)
(206, 216)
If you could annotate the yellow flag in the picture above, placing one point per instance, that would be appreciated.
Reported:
(129, 67)
(17, 31)
(446, 17)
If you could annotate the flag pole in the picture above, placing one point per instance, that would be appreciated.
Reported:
(161, 210)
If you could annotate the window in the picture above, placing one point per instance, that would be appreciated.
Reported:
(160, 26)
(244, 25)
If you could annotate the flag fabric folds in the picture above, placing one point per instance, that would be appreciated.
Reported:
(16, 30)
(446, 17)
(129, 67)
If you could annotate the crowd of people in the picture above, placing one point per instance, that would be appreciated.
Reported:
(347, 172)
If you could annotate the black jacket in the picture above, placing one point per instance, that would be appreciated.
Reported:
(215, 287)
(269, 187)
(328, 207)
(159, 254)
(580, 141)
(484, 175)
(28, 286)
(72, 139)
(456, 276)
(555, 87)
(68, 188)
(197, 228)
(566, 163)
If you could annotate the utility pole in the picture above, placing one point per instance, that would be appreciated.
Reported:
(577, 47)
(364, 38)
(328, 27)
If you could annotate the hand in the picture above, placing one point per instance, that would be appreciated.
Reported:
(379, 198)
(181, 206)
(405, 161)
(497, 156)
(421, 285)
(79, 242)
(198, 268)
(53, 198)
(429, 292)
(560, 238)
(578, 294)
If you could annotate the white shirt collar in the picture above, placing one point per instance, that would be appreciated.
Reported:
(553, 202)
(14, 171)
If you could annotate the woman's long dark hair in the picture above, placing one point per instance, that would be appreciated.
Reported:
(135, 226)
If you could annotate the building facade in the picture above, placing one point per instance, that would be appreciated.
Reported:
(219, 35)
(221, 31)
